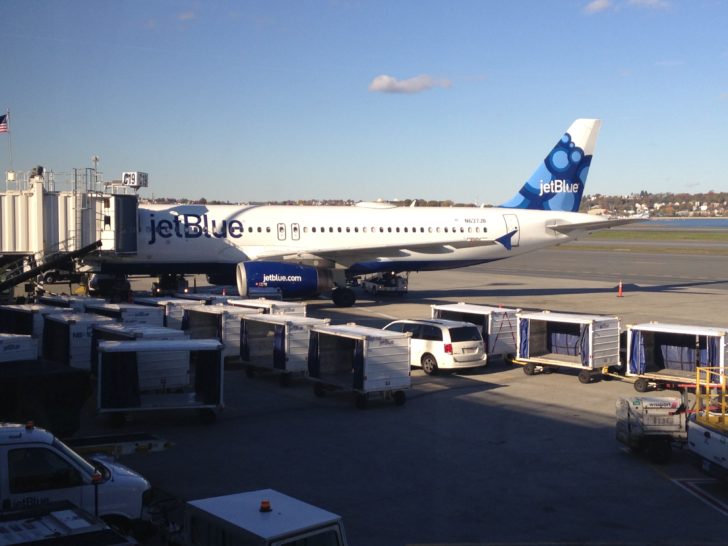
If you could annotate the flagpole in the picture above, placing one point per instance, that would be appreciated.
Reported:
(10, 138)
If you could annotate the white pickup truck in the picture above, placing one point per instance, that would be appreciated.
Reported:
(37, 468)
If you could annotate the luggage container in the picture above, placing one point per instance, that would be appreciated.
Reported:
(158, 371)
(121, 364)
(497, 324)
(667, 355)
(277, 342)
(77, 303)
(272, 307)
(173, 309)
(14, 347)
(220, 322)
(67, 338)
(367, 361)
(652, 424)
(547, 341)
(27, 319)
(129, 313)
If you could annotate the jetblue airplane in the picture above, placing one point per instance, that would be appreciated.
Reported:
(302, 251)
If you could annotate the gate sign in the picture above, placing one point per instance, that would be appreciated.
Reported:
(134, 179)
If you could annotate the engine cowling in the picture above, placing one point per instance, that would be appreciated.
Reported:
(292, 280)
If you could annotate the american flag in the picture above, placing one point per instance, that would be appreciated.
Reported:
(4, 123)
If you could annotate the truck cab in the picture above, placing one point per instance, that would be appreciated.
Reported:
(260, 518)
(37, 468)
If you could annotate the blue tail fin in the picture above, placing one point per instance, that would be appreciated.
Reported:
(558, 183)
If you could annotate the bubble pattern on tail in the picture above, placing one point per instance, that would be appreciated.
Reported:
(558, 183)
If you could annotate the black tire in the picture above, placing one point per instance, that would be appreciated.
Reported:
(529, 369)
(361, 401)
(642, 385)
(429, 364)
(318, 390)
(49, 278)
(399, 398)
(585, 377)
(343, 297)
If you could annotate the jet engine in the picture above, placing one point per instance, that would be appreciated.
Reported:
(292, 280)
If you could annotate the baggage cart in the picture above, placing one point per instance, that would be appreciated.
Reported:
(271, 307)
(221, 322)
(173, 309)
(668, 355)
(27, 318)
(367, 361)
(15, 347)
(277, 342)
(120, 367)
(77, 303)
(497, 324)
(652, 424)
(159, 371)
(67, 338)
(130, 313)
(548, 341)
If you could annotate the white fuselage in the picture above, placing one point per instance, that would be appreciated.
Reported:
(363, 238)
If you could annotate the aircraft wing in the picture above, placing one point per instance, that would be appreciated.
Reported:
(349, 256)
(598, 224)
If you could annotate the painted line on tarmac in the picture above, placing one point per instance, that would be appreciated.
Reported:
(694, 486)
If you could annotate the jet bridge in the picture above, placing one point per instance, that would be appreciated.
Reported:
(42, 228)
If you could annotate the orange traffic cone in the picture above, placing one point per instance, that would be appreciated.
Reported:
(619, 290)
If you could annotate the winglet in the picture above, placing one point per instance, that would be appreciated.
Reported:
(558, 183)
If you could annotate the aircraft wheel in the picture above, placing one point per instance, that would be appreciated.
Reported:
(343, 297)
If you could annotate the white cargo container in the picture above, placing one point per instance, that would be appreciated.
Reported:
(28, 319)
(220, 322)
(368, 361)
(277, 342)
(652, 424)
(272, 307)
(157, 371)
(67, 338)
(120, 367)
(589, 343)
(173, 309)
(497, 324)
(77, 303)
(15, 347)
(130, 313)
(668, 354)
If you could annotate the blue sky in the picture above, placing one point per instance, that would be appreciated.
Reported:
(324, 99)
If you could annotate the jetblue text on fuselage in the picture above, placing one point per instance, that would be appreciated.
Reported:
(558, 186)
(193, 226)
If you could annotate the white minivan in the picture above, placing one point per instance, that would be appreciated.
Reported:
(442, 344)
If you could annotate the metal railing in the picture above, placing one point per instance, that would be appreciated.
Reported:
(711, 392)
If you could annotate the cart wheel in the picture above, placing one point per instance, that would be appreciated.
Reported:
(399, 398)
(318, 390)
(529, 369)
(548, 369)
(117, 419)
(585, 377)
(361, 401)
(429, 364)
(249, 371)
(207, 416)
(641, 385)
(284, 380)
(659, 450)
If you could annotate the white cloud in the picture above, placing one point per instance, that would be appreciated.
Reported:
(595, 6)
(657, 4)
(423, 82)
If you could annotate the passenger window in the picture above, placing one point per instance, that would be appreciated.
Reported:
(40, 469)
(396, 327)
(431, 333)
(414, 329)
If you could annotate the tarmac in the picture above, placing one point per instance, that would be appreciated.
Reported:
(489, 456)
